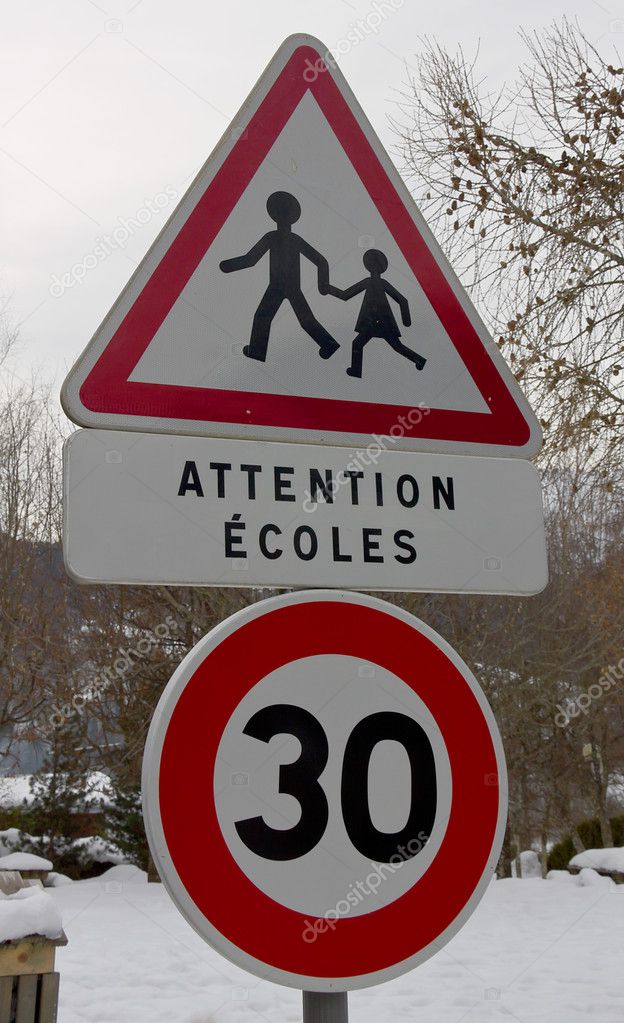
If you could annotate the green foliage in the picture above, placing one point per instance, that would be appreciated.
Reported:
(56, 800)
(589, 833)
(560, 854)
(59, 791)
(49, 826)
(19, 817)
(617, 827)
(123, 823)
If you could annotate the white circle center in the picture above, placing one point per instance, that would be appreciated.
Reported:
(333, 879)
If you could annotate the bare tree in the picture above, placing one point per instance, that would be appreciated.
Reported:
(9, 334)
(29, 576)
(525, 189)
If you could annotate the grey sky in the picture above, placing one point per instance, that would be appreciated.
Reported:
(109, 107)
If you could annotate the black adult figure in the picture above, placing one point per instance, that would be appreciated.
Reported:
(376, 318)
(285, 251)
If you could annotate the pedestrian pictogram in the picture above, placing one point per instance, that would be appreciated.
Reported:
(285, 250)
(297, 294)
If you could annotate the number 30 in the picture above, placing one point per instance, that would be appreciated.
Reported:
(300, 779)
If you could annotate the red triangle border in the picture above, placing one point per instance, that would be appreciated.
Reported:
(108, 390)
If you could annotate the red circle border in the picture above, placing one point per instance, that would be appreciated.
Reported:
(240, 911)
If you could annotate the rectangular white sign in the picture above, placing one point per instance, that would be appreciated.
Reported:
(150, 508)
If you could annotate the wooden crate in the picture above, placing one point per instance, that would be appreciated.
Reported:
(29, 998)
(28, 983)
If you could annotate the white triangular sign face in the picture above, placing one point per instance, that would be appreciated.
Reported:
(297, 293)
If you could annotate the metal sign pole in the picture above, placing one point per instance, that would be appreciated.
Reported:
(324, 1007)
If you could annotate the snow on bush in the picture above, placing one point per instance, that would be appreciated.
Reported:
(600, 859)
(55, 880)
(88, 850)
(13, 840)
(16, 790)
(96, 850)
(9, 839)
(29, 911)
(589, 878)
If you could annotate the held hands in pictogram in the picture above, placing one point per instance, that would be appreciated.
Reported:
(375, 319)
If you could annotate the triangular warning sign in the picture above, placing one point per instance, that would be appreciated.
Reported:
(297, 293)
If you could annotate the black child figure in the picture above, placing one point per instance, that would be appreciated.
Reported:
(376, 318)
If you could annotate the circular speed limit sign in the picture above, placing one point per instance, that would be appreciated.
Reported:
(324, 790)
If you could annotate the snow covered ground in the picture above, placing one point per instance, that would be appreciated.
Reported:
(534, 952)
